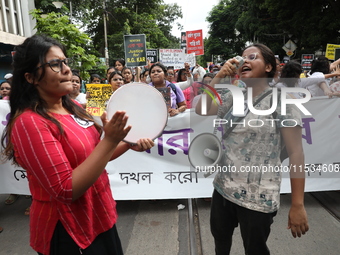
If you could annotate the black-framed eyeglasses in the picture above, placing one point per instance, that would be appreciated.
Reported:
(57, 64)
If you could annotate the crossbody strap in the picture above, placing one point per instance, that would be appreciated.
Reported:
(225, 135)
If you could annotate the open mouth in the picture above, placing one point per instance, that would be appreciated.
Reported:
(245, 69)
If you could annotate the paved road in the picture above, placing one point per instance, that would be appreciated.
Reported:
(159, 228)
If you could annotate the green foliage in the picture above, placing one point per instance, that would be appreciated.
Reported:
(76, 42)
(150, 17)
(235, 23)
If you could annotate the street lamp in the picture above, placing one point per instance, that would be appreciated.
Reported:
(58, 4)
(106, 50)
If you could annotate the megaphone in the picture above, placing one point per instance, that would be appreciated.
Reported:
(205, 152)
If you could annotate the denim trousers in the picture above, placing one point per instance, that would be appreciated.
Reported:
(254, 226)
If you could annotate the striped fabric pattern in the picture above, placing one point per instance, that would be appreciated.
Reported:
(49, 158)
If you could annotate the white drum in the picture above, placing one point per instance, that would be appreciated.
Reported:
(145, 107)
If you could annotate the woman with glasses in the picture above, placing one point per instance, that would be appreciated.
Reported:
(116, 80)
(245, 194)
(185, 80)
(58, 143)
(199, 87)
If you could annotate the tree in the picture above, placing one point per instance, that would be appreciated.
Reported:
(76, 42)
(224, 40)
(311, 25)
(150, 17)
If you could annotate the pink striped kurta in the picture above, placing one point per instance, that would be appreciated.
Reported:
(49, 158)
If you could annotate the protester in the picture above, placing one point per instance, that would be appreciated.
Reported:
(198, 88)
(321, 68)
(5, 89)
(144, 75)
(108, 73)
(198, 72)
(251, 198)
(72, 211)
(95, 79)
(119, 64)
(170, 74)
(116, 80)
(290, 77)
(182, 77)
(127, 75)
(75, 93)
(158, 80)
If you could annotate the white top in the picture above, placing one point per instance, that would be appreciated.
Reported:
(312, 84)
(200, 71)
(81, 98)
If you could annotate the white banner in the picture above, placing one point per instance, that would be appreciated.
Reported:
(176, 58)
(165, 172)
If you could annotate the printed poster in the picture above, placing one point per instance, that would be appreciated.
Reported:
(135, 50)
(99, 95)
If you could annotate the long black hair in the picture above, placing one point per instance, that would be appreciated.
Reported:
(24, 95)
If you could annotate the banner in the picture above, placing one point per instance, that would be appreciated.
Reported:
(135, 50)
(176, 58)
(164, 172)
(330, 50)
(306, 61)
(195, 43)
(184, 41)
(99, 94)
(152, 55)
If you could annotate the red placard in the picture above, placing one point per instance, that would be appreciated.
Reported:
(195, 42)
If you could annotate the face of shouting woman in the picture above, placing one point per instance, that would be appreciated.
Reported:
(254, 64)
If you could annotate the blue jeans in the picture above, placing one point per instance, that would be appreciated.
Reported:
(225, 217)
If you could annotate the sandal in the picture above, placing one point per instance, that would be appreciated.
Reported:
(1, 229)
(11, 199)
(27, 211)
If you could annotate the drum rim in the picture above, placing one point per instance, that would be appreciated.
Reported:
(158, 93)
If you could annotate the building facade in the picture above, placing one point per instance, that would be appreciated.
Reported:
(15, 25)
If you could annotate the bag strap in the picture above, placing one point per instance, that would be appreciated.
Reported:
(225, 135)
(173, 87)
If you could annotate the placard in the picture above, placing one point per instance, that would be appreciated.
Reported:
(135, 50)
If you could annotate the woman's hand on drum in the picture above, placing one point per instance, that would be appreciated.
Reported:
(114, 128)
(143, 145)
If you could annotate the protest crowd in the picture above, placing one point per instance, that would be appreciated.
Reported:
(67, 180)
